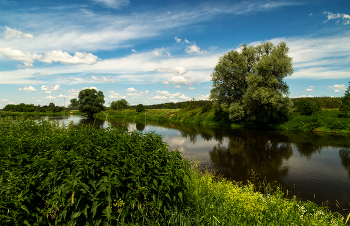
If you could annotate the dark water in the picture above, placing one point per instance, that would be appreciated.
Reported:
(311, 166)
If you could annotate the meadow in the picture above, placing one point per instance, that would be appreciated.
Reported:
(54, 175)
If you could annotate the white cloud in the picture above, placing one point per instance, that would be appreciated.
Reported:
(4, 100)
(159, 97)
(27, 59)
(309, 90)
(337, 90)
(338, 86)
(175, 71)
(28, 89)
(178, 86)
(191, 88)
(50, 88)
(305, 96)
(312, 86)
(178, 40)
(186, 41)
(331, 16)
(166, 93)
(179, 80)
(50, 97)
(131, 90)
(91, 87)
(183, 97)
(146, 92)
(113, 94)
(113, 3)
(102, 79)
(133, 50)
(194, 49)
(40, 73)
(202, 97)
(11, 33)
(65, 58)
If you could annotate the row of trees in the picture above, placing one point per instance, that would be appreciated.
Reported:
(33, 108)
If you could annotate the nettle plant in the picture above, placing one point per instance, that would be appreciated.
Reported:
(51, 175)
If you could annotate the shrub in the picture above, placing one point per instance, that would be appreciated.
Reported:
(307, 106)
(140, 108)
(85, 176)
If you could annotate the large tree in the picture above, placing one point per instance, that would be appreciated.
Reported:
(345, 105)
(91, 101)
(250, 81)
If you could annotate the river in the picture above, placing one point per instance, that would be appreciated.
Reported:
(311, 166)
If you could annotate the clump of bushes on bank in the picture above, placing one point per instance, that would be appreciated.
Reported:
(85, 176)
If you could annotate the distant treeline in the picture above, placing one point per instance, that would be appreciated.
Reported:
(323, 102)
(183, 105)
(33, 108)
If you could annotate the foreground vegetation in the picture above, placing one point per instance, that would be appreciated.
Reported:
(51, 175)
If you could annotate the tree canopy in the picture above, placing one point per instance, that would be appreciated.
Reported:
(90, 101)
(119, 104)
(250, 82)
(345, 105)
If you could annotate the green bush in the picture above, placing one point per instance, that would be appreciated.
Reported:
(140, 108)
(307, 106)
(85, 176)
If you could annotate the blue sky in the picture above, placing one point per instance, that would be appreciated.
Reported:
(162, 51)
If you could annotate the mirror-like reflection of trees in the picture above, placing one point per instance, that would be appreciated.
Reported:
(345, 159)
(252, 150)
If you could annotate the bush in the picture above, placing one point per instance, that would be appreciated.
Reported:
(140, 108)
(85, 176)
(307, 106)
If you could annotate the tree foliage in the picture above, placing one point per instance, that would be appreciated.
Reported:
(91, 101)
(73, 103)
(33, 108)
(307, 106)
(345, 105)
(250, 81)
(119, 104)
(140, 108)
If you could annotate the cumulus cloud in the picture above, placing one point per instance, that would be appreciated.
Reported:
(66, 58)
(131, 90)
(27, 59)
(102, 79)
(191, 88)
(312, 86)
(186, 41)
(166, 93)
(158, 97)
(50, 97)
(50, 88)
(183, 97)
(28, 89)
(337, 90)
(338, 86)
(194, 49)
(178, 40)
(202, 97)
(113, 94)
(91, 87)
(344, 17)
(49, 57)
(11, 33)
(113, 3)
(179, 80)
(309, 90)
(175, 71)
(133, 50)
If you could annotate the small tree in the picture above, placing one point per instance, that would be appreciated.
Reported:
(91, 101)
(308, 106)
(140, 108)
(119, 105)
(345, 104)
(73, 103)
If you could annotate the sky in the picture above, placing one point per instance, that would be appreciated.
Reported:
(159, 51)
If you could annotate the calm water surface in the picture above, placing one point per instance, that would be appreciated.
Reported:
(311, 166)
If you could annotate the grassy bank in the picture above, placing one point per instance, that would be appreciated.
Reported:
(51, 175)
(325, 121)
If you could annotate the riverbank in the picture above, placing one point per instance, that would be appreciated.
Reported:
(52, 174)
(325, 121)
(28, 114)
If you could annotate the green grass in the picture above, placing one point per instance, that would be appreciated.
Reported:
(325, 121)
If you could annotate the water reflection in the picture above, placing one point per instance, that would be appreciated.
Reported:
(308, 165)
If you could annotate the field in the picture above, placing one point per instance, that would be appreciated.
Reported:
(85, 176)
